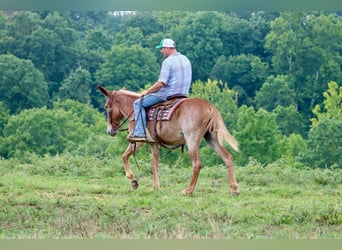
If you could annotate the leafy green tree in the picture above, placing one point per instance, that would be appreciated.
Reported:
(98, 40)
(290, 121)
(145, 21)
(242, 36)
(4, 116)
(245, 71)
(130, 36)
(48, 40)
(77, 86)
(67, 51)
(3, 21)
(277, 90)
(198, 37)
(17, 28)
(332, 104)
(84, 21)
(169, 19)
(258, 136)
(260, 22)
(292, 147)
(304, 47)
(324, 142)
(130, 67)
(22, 85)
(324, 145)
(42, 131)
(40, 46)
(50, 131)
(86, 114)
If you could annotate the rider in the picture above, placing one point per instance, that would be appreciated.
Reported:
(174, 79)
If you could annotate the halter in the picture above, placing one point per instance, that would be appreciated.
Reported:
(115, 125)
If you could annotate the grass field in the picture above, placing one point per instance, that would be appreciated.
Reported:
(87, 197)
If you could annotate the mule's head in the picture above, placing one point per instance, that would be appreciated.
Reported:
(114, 115)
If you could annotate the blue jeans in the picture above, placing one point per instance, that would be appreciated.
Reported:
(140, 113)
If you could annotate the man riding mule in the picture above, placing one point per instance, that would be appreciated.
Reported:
(187, 121)
(174, 79)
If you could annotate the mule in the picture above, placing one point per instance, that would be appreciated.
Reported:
(193, 120)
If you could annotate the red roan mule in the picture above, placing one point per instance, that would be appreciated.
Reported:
(194, 119)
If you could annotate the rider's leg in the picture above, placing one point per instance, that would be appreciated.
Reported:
(140, 114)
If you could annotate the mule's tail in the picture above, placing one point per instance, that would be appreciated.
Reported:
(217, 127)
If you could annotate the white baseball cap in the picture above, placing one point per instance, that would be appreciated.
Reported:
(166, 43)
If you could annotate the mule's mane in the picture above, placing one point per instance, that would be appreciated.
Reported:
(129, 93)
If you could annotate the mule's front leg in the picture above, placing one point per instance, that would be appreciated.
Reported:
(129, 174)
(155, 160)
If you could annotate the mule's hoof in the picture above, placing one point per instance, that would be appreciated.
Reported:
(134, 184)
(186, 192)
(236, 193)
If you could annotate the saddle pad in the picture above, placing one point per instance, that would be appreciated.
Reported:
(163, 111)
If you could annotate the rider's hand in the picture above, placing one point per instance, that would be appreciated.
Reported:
(145, 92)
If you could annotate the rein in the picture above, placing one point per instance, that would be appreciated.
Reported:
(124, 121)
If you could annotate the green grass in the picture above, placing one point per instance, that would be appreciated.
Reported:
(86, 197)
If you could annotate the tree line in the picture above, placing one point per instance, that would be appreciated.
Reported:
(275, 76)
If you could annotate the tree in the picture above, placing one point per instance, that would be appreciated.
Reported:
(4, 116)
(50, 131)
(3, 20)
(67, 50)
(130, 67)
(332, 104)
(48, 40)
(290, 121)
(84, 113)
(22, 86)
(198, 37)
(293, 146)
(258, 136)
(276, 91)
(76, 86)
(40, 47)
(98, 40)
(169, 19)
(130, 36)
(324, 145)
(145, 21)
(245, 71)
(41, 131)
(18, 27)
(306, 47)
(243, 36)
(324, 142)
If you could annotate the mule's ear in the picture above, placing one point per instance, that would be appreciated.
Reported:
(103, 90)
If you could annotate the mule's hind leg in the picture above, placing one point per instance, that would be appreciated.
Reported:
(129, 174)
(227, 159)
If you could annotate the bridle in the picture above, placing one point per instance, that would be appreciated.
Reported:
(116, 126)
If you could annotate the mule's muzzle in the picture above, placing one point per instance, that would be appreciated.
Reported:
(111, 131)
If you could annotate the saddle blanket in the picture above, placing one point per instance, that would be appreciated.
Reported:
(164, 111)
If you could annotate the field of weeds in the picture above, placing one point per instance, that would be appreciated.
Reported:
(67, 197)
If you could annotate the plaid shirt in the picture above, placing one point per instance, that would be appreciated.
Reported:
(176, 74)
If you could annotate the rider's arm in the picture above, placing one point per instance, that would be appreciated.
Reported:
(155, 87)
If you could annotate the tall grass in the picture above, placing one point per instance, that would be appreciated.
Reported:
(89, 197)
